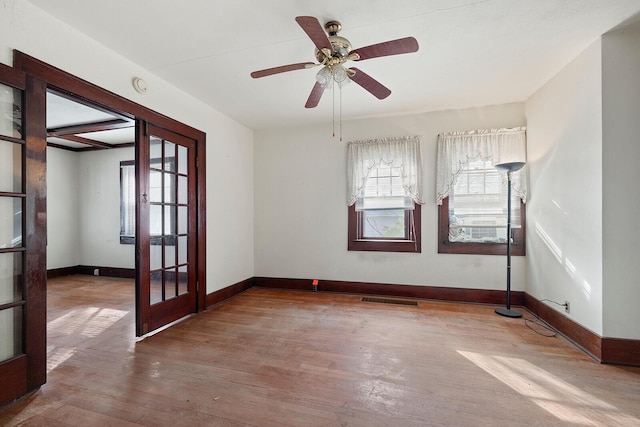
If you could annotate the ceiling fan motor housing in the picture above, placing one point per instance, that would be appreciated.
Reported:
(341, 46)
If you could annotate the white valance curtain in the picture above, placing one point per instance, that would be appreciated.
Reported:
(456, 149)
(403, 153)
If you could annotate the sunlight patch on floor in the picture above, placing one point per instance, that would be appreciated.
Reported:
(57, 356)
(88, 322)
(561, 399)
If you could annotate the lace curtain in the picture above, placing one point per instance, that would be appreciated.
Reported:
(456, 149)
(403, 153)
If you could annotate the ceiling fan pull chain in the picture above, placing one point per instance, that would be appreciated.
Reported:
(340, 89)
(333, 106)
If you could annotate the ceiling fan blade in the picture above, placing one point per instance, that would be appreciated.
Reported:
(282, 69)
(392, 47)
(314, 96)
(316, 33)
(370, 84)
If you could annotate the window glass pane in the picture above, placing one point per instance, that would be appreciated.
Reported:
(127, 200)
(10, 167)
(383, 205)
(10, 222)
(478, 206)
(383, 223)
(10, 333)
(10, 277)
(10, 111)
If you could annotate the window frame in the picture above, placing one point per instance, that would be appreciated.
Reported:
(125, 239)
(413, 244)
(155, 240)
(518, 244)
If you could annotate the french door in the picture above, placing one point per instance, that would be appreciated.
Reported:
(166, 223)
(22, 234)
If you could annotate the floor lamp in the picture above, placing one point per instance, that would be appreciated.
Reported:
(509, 168)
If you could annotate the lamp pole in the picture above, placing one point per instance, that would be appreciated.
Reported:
(509, 168)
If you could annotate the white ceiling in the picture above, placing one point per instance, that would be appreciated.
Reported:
(472, 53)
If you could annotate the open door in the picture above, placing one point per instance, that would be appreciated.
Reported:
(166, 227)
(22, 234)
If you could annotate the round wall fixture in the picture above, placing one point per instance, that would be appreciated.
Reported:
(140, 85)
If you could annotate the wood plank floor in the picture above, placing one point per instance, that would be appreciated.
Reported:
(282, 358)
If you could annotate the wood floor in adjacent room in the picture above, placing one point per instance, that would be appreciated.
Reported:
(279, 358)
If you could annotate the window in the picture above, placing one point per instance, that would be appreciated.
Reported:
(383, 213)
(473, 194)
(128, 198)
(127, 202)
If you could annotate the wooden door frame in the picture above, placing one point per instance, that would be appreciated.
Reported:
(71, 85)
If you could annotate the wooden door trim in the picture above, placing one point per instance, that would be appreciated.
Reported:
(66, 83)
(36, 231)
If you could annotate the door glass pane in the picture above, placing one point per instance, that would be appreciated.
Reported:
(169, 188)
(155, 187)
(182, 220)
(182, 250)
(155, 294)
(155, 220)
(169, 156)
(183, 192)
(170, 252)
(10, 277)
(10, 111)
(183, 160)
(155, 150)
(10, 222)
(10, 167)
(10, 333)
(183, 280)
(170, 284)
(155, 254)
(169, 220)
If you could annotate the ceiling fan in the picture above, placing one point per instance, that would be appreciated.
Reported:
(332, 52)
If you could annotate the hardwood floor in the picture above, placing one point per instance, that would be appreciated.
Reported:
(273, 358)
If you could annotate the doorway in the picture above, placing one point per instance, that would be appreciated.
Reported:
(35, 78)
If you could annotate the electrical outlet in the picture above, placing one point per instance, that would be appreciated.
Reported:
(567, 307)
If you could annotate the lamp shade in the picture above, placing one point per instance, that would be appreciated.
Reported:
(509, 166)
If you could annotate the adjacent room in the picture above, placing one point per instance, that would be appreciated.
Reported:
(293, 213)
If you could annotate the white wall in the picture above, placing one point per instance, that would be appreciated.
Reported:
(63, 209)
(564, 212)
(621, 179)
(301, 211)
(229, 144)
(99, 209)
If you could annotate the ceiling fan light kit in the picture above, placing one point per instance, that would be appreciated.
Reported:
(332, 52)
